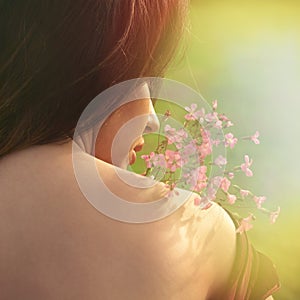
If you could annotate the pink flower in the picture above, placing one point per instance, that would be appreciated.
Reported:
(254, 138)
(170, 130)
(259, 200)
(228, 124)
(205, 149)
(215, 104)
(205, 134)
(230, 140)
(246, 165)
(173, 160)
(193, 113)
(274, 215)
(158, 160)
(222, 117)
(231, 198)
(175, 136)
(188, 150)
(225, 184)
(170, 133)
(197, 179)
(182, 134)
(179, 138)
(211, 117)
(220, 161)
(147, 159)
(216, 180)
(230, 175)
(245, 224)
(211, 193)
(201, 182)
(244, 193)
(153, 160)
(218, 124)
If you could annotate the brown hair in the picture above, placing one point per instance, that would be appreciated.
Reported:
(56, 56)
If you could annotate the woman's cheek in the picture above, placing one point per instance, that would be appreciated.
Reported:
(126, 137)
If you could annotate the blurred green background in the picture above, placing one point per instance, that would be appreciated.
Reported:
(246, 54)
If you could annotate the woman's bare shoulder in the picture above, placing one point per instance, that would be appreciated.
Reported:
(213, 231)
(189, 251)
(224, 245)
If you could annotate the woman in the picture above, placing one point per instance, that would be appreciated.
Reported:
(55, 58)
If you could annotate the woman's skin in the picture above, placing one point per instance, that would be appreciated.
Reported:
(133, 119)
(56, 245)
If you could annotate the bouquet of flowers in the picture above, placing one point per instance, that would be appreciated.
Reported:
(193, 157)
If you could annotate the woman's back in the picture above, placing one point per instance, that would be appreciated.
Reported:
(56, 245)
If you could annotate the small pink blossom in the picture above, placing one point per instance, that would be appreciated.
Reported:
(220, 161)
(211, 117)
(244, 193)
(274, 215)
(170, 133)
(230, 175)
(197, 179)
(222, 117)
(170, 130)
(205, 134)
(211, 193)
(245, 224)
(231, 198)
(215, 104)
(175, 136)
(180, 137)
(218, 124)
(216, 180)
(182, 134)
(148, 159)
(189, 149)
(154, 159)
(228, 124)
(225, 184)
(259, 200)
(205, 149)
(200, 115)
(173, 160)
(158, 160)
(230, 140)
(254, 138)
(191, 110)
(246, 165)
(201, 179)
(193, 113)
